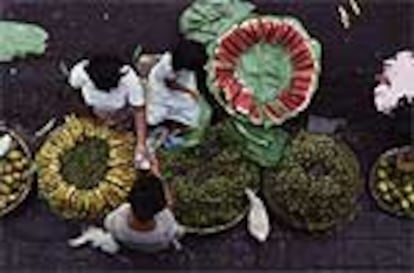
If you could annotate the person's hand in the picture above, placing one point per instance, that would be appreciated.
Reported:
(142, 159)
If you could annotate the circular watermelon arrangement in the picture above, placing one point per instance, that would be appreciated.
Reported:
(265, 69)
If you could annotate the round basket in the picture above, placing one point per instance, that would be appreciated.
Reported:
(69, 200)
(372, 182)
(319, 227)
(25, 187)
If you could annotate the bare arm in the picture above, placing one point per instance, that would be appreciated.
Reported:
(140, 128)
(174, 85)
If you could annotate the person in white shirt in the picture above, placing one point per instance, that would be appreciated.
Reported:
(111, 87)
(146, 222)
(173, 94)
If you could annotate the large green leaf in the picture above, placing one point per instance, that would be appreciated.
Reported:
(20, 39)
(205, 20)
(263, 146)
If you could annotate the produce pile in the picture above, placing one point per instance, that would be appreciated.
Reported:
(392, 182)
(85, 169)
(209, 181)
(316, 184)
(14, 175)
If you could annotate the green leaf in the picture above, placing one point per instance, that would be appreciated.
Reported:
(20, 39)
(205, 20)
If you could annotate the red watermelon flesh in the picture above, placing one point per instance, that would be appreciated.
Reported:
(255, 115)
(288, 35)
(251, 30)
(243, 102)
(267, 30)
(223, 55)
(295, 42)
(232, 90)
(228, 47)
(290, 101)
(273, 112)
(305, 65)
(300, 87)
(247, 39)
(237, 39)
(225, 47)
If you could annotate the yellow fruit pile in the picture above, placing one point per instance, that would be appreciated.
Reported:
(14, 171)
(69, 199)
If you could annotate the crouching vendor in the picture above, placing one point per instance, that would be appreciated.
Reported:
(114, 92)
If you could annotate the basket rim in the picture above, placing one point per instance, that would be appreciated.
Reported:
(29, 180)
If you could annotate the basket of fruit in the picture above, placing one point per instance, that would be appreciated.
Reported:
(315, 186)
(209, 182)
(85, 169)
(15, 170)
(392, 181)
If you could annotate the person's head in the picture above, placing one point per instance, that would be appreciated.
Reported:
(188, 55)
(105, 71)
(147, 197)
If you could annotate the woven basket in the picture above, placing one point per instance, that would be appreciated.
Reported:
(26, 187)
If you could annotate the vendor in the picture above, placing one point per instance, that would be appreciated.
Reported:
(112, 88)
(146, 222)
(173, 97)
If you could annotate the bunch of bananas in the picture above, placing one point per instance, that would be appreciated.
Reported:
(14, 171)
(75, 200)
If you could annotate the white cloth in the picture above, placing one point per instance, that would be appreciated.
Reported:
(129, 90)
(166, 104)
(161, 237)
(398, 74)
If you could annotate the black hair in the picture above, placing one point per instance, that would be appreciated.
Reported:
(147, 197)
(188, 55)
(192, 56)
(403, 119)
(105, 71)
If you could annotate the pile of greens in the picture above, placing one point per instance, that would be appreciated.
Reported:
(315, 185)
(209, 181)
(85, 165)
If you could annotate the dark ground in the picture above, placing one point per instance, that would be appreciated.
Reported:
(32, 239)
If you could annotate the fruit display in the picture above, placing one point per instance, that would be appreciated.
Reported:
(392, 181)
(85, 169)
(15, 172)
(265, 69)
(316, 184)
(209, 182)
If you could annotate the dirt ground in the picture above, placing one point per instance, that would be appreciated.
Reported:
(33, 91)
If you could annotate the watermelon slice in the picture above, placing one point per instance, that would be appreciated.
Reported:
(291, 101)
(238, 40)
(224, 56)
(243, 102)
(268, 30)
(274, 112)
(232, 89)
(256, 115)
(246, 38)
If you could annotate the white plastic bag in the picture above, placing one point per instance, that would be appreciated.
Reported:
(258, 219)
(98, 238)
(5, 144)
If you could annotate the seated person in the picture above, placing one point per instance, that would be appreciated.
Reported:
(112, 88)
(146, 222)
(173, 95)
